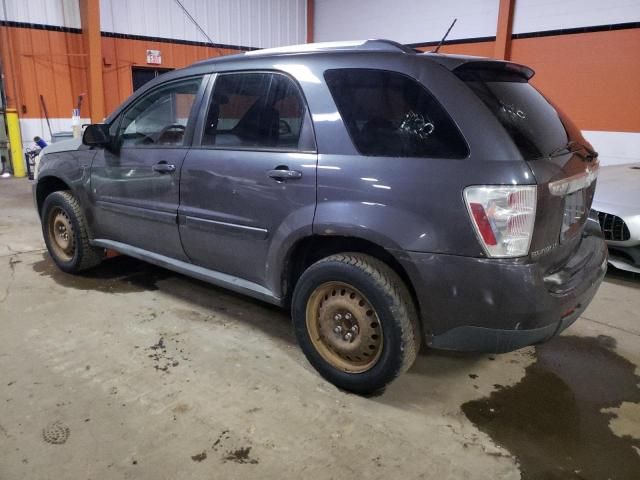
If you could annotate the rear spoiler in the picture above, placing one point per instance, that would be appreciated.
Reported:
(496, 68)
(461, 64)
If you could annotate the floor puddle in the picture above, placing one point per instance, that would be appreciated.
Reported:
(552, 421)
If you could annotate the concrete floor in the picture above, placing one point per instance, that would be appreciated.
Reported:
(142, 373)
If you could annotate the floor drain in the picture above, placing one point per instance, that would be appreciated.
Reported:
(56, 433)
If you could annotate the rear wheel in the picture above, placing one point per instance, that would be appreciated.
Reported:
(355, 321)
(65, 233)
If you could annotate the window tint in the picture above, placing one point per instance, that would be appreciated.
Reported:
(160, 117)
(261, 110)
(533, 124)
(389, 114)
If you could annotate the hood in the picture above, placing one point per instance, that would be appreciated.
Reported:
(64, 146)
(619, 185)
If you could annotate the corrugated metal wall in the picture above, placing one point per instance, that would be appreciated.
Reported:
(252, 23)
(62, 13)
(406, 21)
(417, 21)
(541, 15)
(249, 23)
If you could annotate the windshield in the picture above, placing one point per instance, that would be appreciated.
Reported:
(536, 127)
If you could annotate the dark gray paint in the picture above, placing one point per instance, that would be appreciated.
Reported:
(134, 204)
(231, 210)
(234, 225)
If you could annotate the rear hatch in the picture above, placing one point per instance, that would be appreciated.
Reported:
(561, 160)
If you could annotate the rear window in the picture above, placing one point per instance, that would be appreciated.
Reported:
(389, 114)
(532, 122)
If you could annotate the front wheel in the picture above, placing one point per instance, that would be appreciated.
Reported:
(355, 321)
(65, 233)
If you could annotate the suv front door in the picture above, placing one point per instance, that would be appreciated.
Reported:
(136, 181)
(249, 181)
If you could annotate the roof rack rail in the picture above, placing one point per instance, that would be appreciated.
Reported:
(374, 45)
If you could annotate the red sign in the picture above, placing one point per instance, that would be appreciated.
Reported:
(154, 57)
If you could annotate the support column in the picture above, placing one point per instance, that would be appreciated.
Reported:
(310, 20)
(502, 49)
(90, 18)
(15, 142)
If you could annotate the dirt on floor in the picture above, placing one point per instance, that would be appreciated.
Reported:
(131, 371)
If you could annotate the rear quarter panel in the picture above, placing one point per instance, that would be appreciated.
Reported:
(413, 204)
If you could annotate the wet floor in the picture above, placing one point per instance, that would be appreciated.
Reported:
(554, 421)
(116, 275)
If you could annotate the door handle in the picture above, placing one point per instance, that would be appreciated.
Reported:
(283, 173)
(164, 167)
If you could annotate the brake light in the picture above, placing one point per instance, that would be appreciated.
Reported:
(482, 222)
(503, 218)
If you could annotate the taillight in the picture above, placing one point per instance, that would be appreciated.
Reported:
(503, 218)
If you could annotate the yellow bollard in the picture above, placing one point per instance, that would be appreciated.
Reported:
(15, 143)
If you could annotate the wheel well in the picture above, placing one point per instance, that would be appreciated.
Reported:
(47, 186)
(311, 249)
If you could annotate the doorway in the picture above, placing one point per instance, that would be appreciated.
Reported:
(142, 75)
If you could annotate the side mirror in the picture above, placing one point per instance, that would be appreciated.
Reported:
(96, 135)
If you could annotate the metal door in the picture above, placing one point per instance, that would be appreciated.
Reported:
(135, 183)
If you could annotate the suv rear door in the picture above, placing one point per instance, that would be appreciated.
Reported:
(562, 161)
(249, 181)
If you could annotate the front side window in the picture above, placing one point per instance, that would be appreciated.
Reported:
(389, 114)
(160, 117)
(254, 110)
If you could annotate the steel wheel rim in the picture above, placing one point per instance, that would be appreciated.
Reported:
(344, 328)
(62, 239)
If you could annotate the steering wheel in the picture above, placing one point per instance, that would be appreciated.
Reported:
(284, 128)
(174, 126)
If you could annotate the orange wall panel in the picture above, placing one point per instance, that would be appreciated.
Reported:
(480, 49)
(46, 63)
(122, 54)
(593, 77)
(53, 64)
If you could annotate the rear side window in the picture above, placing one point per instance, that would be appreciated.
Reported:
(534, 125)
(389, 114)
(254, 110)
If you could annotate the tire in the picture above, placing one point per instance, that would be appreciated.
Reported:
(386, 337)
(72, 252)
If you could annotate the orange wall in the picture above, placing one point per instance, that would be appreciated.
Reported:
(53, 64)
(45, 63)
(593, 77)
(480, 49)
(121, 54)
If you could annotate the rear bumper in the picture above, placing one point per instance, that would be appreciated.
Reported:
(478, 304)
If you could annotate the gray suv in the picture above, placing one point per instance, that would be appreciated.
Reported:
(388, 197)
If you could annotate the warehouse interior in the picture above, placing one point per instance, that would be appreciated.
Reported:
(136, 368)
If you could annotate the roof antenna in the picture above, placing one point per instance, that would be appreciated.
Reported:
(445, 36)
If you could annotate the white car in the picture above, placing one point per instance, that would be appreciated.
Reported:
(617, 207)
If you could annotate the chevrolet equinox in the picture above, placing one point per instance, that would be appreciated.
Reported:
(388, 197)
